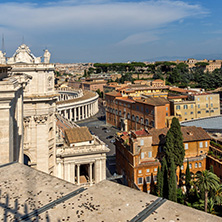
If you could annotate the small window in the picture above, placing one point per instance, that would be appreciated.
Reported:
(195, 165)
(141, 142)
(142, 108)
(148, 179)
(191, 112)
(185, 113)
(207, 111)
(166, 108)
(212, 111)
(198, 99)
(186, 146)
(198, 105)
(140, 180)
(211, 104)
(191, 106)
(141, 121)
(206, 98)
(190, 166)
(146, 122)
(155, 178)
(139, 171)
(211, 97)
(200, 164)
(206, 105)
(201, 144)
(166, 114)
(137, 107)
(150, 153)
(199, 112)
(142, 155)
(137, 118)
(147, 110)
(206, 144)
(147, 170)
(181, 167)
(155, 169)
(185, 106)
(177, 107)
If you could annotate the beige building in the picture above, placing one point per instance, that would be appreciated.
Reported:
(82, 158)
(11, 117)
(38, 111)
(197, 105)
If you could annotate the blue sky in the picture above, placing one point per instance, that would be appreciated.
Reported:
(112, 30)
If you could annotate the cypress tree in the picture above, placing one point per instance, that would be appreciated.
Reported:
(174, 144)
(159, 182)
(172, 184)
(164, 170)
(152, 185)
(188, 178)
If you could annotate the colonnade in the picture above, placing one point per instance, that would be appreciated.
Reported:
(80, 112)
(70, 171)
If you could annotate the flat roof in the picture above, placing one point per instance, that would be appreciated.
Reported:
(213, 123)
(25, 190)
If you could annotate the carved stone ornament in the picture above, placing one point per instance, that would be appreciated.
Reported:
(40, 119)
(27, 119)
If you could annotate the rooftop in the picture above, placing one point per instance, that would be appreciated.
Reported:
(154, 101)
(27, 191)
(79, 134)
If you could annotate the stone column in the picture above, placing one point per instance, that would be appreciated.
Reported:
(59, 170)
(86, 111)
(97, 171)
(74, 114)
(79, 118)
(103, 169)
(90, 173)
(72, 172)
(78, 174)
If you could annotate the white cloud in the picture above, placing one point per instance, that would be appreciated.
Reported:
(130, 22)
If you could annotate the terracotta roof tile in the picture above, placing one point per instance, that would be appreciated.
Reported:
(80, 134)
(154, 101)
(190, 133)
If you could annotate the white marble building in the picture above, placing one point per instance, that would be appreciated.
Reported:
(38, 106)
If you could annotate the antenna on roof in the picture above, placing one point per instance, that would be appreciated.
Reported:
(3, 43)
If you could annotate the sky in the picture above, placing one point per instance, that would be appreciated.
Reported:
(113, 30)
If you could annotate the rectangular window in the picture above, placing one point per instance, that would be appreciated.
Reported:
(148, 179)
(155, 169)
(185, 113)
(141, 142)
(186, 146)
(150, 153)
(166, 108)
(185, 106)
(201, 144)
(206, 144)
(207, 105)
(177, 107)
(190, 166)
(211, 104)
(166, 114)
(200, 164)
(139, 171)
(147, 170)
(191, 106)
(142, 155)
(198, 105)
(140, 180)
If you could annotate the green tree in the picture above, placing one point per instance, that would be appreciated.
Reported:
(211, 168)
(159, 182)
(173, 147)
(188, 178)
(152, 185)
(172, 183)
(164, 170)
(206, 181)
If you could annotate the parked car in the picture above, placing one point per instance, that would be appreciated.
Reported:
(109, 137)
(104, 128)
(107, 131)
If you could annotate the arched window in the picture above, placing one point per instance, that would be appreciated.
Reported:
(195, 165)
(137, 118)
(146, 122)
(133, 117)
(128, 116)
(116, 112)
(120, 112)
(141, 121)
